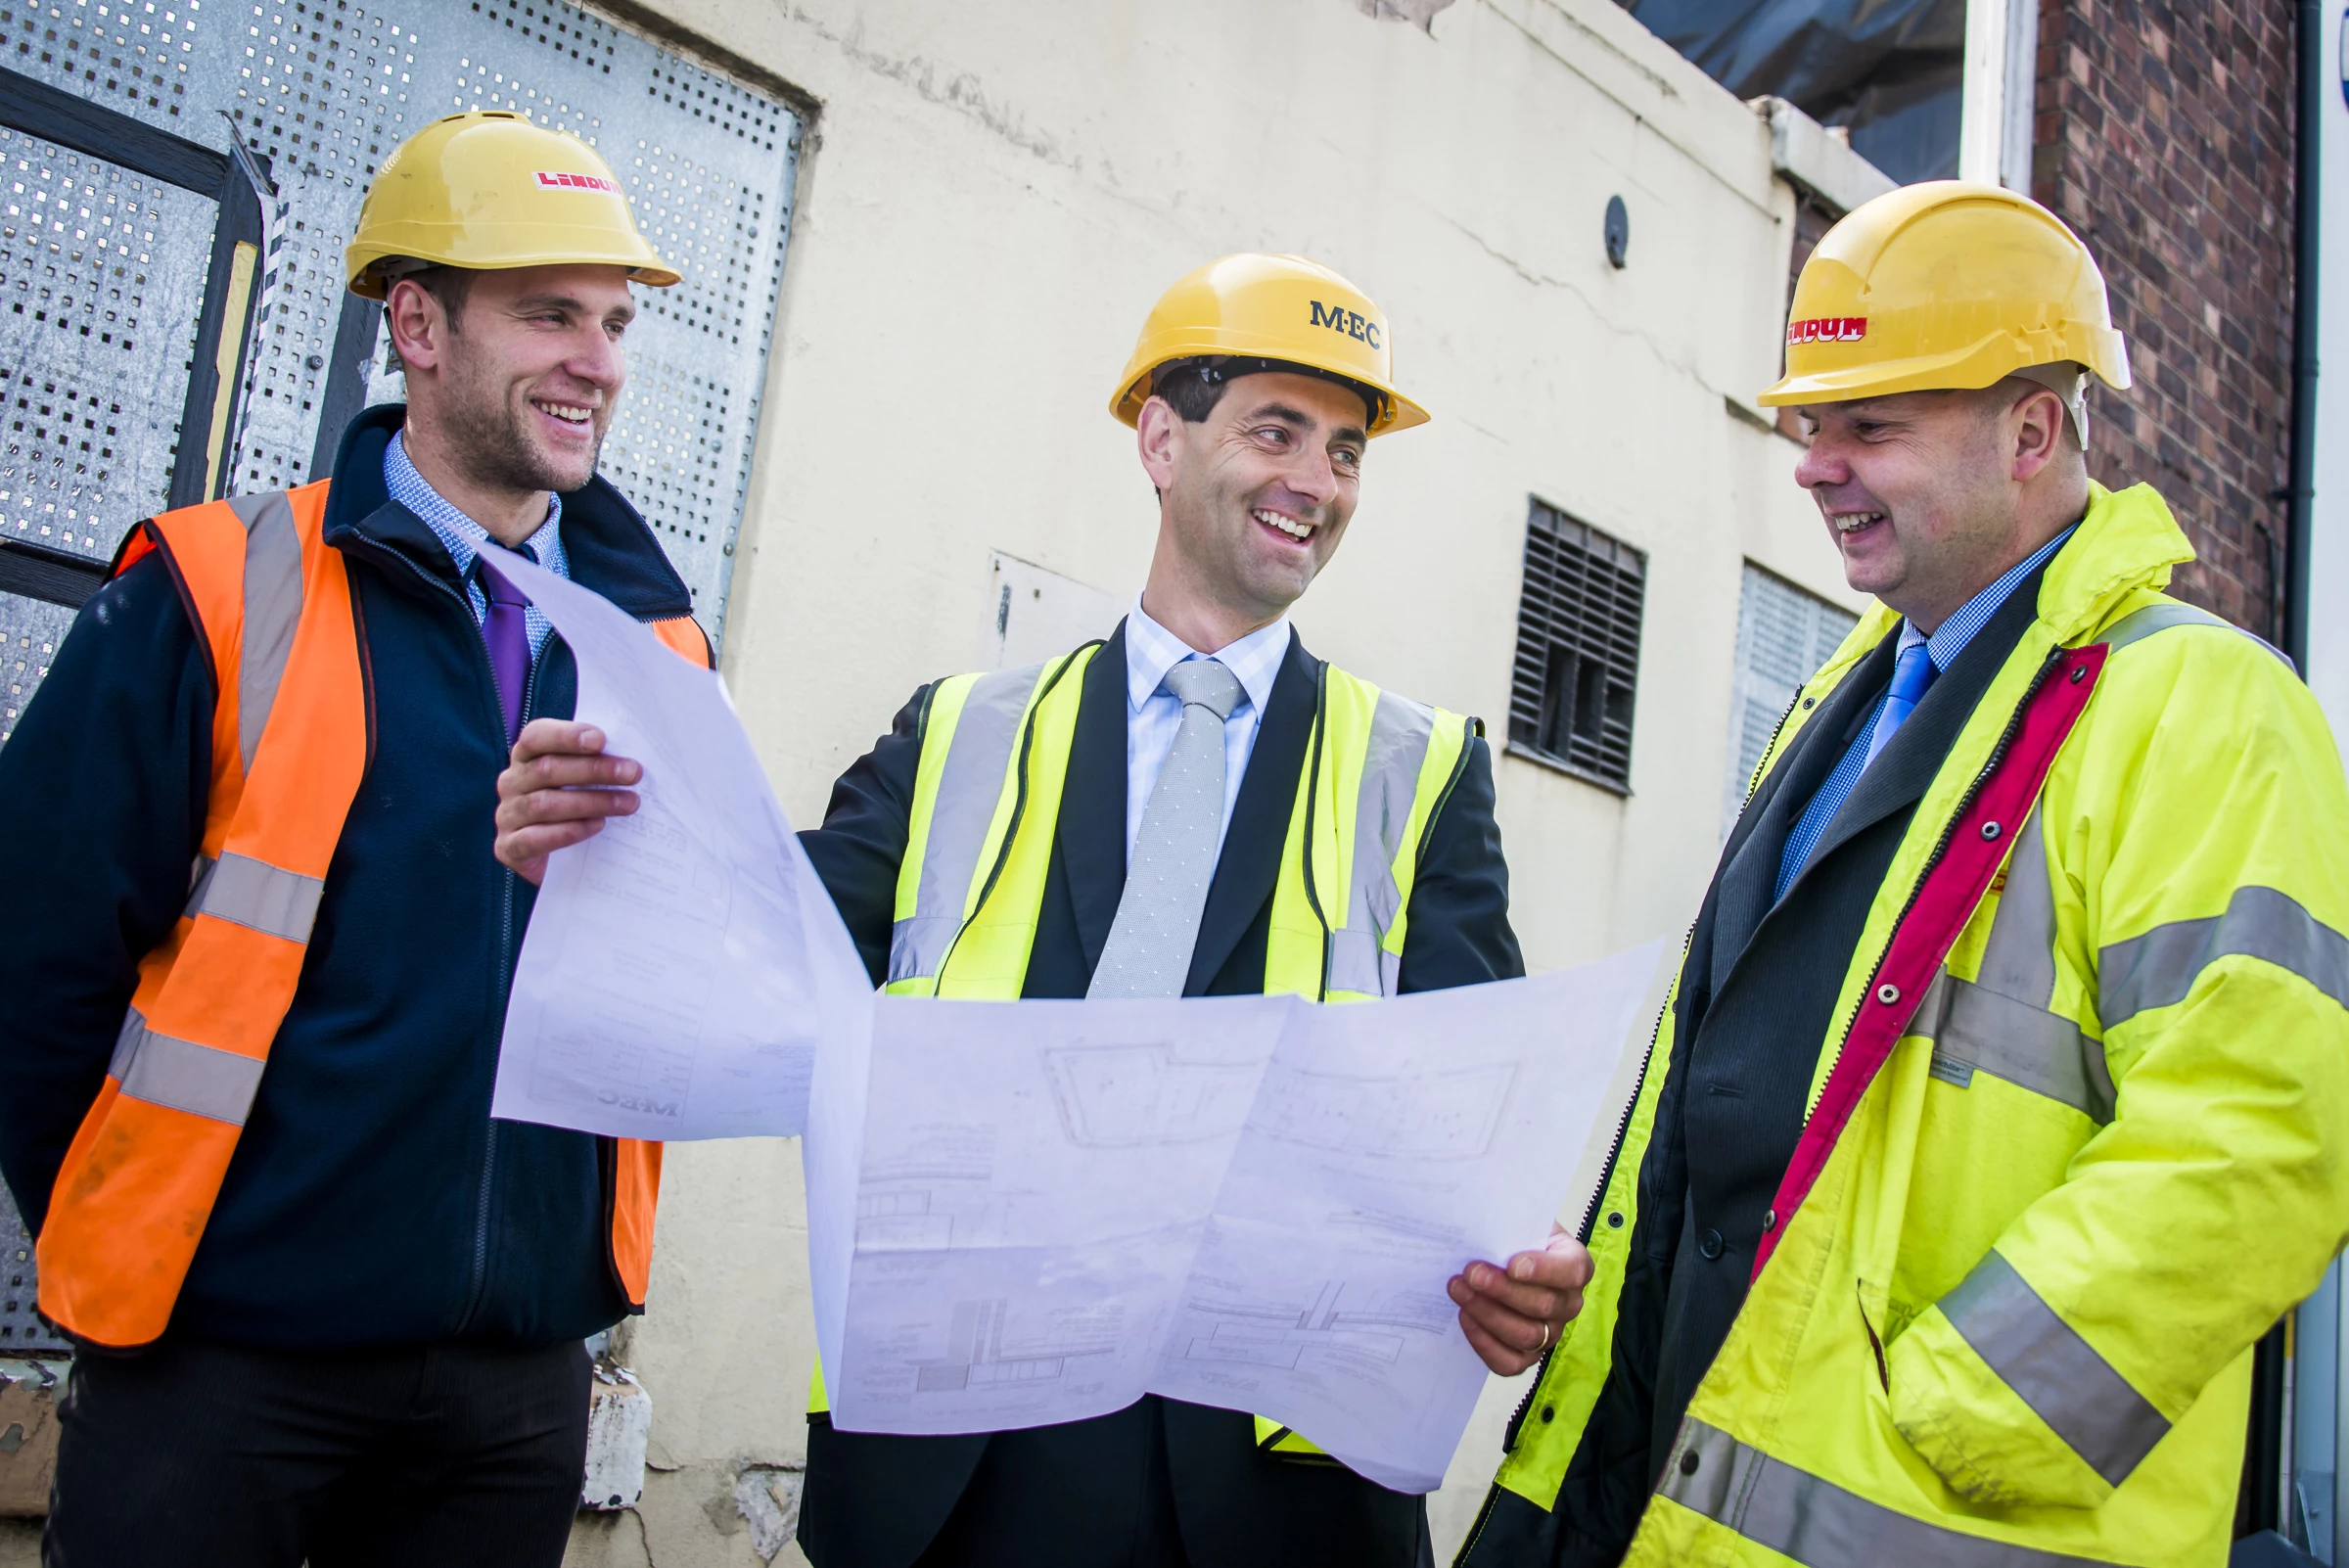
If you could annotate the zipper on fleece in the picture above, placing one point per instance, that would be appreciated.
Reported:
(477, 1283)
(508, 887)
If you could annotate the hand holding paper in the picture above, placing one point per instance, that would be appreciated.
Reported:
(1029, 1213)
(682, 965)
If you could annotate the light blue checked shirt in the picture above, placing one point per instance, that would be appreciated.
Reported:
(463, 536)
(1943, 648)
(1153, 715)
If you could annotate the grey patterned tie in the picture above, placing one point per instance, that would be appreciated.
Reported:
(1148, 952)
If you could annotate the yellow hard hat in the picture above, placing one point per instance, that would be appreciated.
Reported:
(1277, 307)
(488, 190)
(1944, 286)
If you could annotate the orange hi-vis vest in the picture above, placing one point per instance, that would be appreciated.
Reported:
(272, 608)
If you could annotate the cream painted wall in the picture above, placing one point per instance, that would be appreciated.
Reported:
(990, 199)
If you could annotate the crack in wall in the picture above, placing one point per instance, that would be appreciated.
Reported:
(1543, 280)
(960, 91)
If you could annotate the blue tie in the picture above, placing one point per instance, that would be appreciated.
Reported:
(1912, 675)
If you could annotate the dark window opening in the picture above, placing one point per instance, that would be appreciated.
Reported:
(1578, 649)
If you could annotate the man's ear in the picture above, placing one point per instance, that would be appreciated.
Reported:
(2037, 423)
(1155, 434)
(418, 326)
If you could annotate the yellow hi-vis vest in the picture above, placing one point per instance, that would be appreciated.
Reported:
(986, 802)
(2075, 1140)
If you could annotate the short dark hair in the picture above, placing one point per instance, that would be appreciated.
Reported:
(1192, 388)
(450, 286)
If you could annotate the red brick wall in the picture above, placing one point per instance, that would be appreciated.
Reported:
(2164, 138)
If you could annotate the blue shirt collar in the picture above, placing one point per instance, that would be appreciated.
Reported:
(458, 534)
(1949, 638)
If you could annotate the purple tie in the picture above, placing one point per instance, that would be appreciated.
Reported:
(508, 634)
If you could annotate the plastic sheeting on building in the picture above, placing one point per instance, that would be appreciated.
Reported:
(1889, 69)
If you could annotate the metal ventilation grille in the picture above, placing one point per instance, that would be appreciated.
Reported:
(1783, 636)
(1578, 649)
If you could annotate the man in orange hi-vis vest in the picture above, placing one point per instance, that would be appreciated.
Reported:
(254, 1010)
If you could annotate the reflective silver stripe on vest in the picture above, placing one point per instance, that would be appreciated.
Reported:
(1975, 1029)
(272, 609)
(1399, 733)
(2001, 1023)
(1817, 1523)
(2159, 968)
(2042, 1358)
(181, 1075)
(2140, 624)
(968, 787)
(253, 892)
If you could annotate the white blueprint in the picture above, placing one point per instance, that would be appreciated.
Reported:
(682, 966)
(1054, 1208)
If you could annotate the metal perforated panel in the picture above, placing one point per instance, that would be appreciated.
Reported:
(323, 89)
(708, 164)
(1783, 636)
(102, 271)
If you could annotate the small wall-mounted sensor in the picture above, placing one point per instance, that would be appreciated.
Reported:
(1619, 231)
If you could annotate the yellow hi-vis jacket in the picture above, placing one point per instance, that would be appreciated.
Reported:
(2076, 1140)
(986, 805)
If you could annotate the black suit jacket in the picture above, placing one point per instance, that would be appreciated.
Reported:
(1112, 1490)
(1757, 997)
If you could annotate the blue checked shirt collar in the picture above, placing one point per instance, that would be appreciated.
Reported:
(462, 536)
(1949, 638)
(1943, 647)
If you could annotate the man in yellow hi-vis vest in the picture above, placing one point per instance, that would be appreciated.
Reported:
(1999, 1107)
(1194, 807)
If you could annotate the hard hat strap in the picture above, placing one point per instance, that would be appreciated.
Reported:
(2067, 379)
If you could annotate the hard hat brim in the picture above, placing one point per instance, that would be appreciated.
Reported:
(648, 269)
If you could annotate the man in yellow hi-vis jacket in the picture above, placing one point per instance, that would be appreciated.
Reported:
(1194, 807)
(2000, 1106)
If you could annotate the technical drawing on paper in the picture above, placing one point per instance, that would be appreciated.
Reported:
(1129, 1096)
(1263, 1332)
(908, 1199)
(976, 1358)
(1435, 1116)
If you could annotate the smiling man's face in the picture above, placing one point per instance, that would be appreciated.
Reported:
(1919, 490)
(532, 371)
(1258, 494)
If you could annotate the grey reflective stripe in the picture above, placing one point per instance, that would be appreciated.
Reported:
(198, 875)
(1816, 1522)
(181, 1075)
(2140, 624)
(2001, 1022)
(253, 893)
(272, 609)
(1975, 1028)
(1400, 732)
(2159, 968)
(2042, 1358)
(969, 786)
(2018, 959)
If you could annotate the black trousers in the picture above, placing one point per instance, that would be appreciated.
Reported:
(221, 1457)
(1160, 1484)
